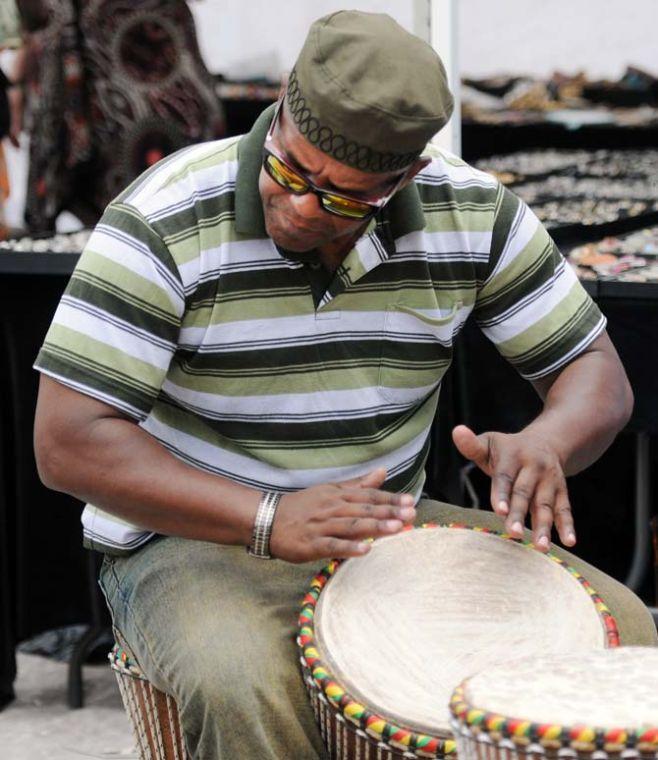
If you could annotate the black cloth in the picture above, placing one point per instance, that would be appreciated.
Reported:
(5, 115)
(43, 567)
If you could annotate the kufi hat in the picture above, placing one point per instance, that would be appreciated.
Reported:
(367, 92)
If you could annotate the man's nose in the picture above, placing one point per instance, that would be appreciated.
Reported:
(306, 205)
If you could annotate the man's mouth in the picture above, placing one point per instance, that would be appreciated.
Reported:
(289, 235)
(292, 226)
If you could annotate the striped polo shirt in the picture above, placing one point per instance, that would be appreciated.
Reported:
(183, 314)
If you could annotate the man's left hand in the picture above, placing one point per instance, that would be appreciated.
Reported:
(526, 476)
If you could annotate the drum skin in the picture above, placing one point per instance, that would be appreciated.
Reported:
(386, 638)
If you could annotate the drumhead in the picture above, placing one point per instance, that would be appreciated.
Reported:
(615, 688)
(401, 627)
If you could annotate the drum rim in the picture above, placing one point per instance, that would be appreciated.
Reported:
(123, 664)
(375, 725)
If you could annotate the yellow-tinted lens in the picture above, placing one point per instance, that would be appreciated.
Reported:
(285, 176)
(346, 206)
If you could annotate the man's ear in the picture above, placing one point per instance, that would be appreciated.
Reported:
(283, 84)
(418, 165)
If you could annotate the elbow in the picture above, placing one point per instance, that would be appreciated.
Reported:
(48, 465)
(51, 460)
(621, 403)
(627, 403)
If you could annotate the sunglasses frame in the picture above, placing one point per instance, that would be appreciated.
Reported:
(269, 150)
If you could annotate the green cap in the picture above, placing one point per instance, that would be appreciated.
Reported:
(367, 92)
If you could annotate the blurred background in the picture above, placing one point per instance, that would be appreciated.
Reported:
(559, 100)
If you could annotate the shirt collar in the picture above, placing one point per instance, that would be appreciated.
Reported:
(249, 218)
(403, 213)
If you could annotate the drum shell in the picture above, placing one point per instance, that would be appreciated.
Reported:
(153, 714)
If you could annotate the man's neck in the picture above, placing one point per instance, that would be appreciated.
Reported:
(333, 254)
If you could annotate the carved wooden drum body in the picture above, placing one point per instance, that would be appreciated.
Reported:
(387, 637)
(598, 705)
(152, 713)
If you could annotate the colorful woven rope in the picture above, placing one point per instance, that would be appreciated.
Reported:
(358, 714)
(120, 661)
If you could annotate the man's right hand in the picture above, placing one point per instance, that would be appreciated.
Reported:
(333, 520)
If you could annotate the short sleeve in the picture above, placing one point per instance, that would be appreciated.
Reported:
(116, 328)
(531, 304)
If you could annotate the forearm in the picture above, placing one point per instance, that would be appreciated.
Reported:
(17, 75)
(585, 407)
(122, 469)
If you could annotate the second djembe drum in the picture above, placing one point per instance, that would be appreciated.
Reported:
(588, 706)
(386, 638)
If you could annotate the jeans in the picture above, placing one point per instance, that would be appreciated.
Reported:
(215, 628)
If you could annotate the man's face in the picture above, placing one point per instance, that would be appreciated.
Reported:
(298, 222)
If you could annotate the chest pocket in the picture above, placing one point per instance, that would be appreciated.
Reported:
(416, 351)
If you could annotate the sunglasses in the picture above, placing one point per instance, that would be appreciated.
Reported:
(294, 181)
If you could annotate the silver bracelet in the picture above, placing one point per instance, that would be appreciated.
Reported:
(260, 538)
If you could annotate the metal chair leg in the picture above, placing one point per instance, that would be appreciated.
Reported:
(89, 639)
(641, 551)
(83, 648)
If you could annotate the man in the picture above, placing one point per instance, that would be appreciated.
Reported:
(250, 353)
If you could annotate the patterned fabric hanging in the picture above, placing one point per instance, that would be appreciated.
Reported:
(114, 85)
(60, 137)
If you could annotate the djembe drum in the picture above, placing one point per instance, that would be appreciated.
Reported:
(153, 714)
(385, 638)
(584, 706)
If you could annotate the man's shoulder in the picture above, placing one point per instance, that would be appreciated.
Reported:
(447, 166)
(199, 172)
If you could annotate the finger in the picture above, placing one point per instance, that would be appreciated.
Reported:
(564, 518)
(504, 474)
(329, 547)
(523, 490)
(361, 527)
(373, 479)
(473, 447)
(542, 511)
(377, 511)
(374, 496)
